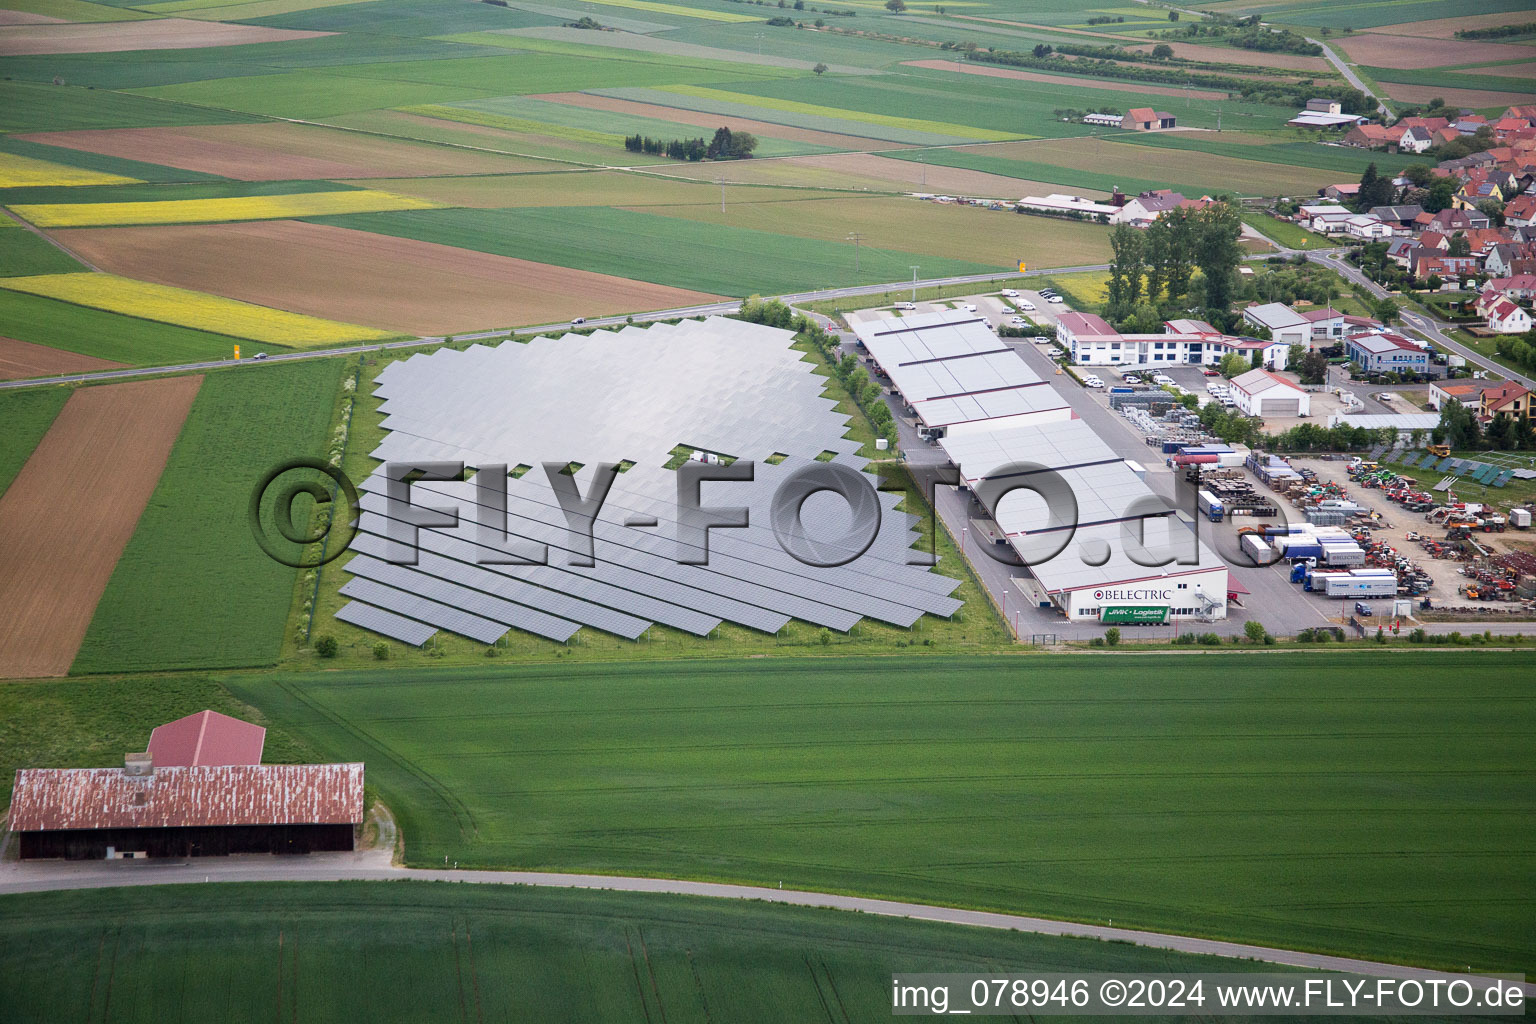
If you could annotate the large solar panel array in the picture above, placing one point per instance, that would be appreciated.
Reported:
(1116, 512)
(952, 370)
(630, 395)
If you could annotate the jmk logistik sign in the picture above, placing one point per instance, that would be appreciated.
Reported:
(1118, 604)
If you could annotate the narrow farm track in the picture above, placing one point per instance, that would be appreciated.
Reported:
(42, 876)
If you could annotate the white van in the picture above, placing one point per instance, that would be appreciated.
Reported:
(906, 305)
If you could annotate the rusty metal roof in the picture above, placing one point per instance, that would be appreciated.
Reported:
(206, 738)
(45, 799)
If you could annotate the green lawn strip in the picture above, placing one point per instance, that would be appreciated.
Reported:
(1451, 79)
(405, 19)
(412, 951)
(25, 417)
(686, 254)
(26, 107)
(306, 95)
(721, 69)
(89, 723)
(193, 589)
(544, 72)
(24, 252)
(1366, 14)
(1292, 236)
(1301, 800)
(1031, 170)
(1291, 152)
(96, 332)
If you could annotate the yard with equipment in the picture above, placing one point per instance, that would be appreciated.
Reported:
(1305, 801)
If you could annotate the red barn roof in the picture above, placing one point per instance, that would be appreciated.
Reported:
(206, 738)
(48, 799)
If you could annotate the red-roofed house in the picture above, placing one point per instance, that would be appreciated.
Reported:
(206, 738)
(1468, 392)
(1525, 113)
(1521, 286)
(1373, 136)
(1520, 212)
(1509, 397)
(1507, 317)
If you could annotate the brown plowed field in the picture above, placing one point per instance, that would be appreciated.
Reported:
(27, 18)
(280, 152)
(67, 516)
(160, 34)
(1444, 28)
(1454, 97)
(1378, 50)
(1036, 76)
(703, 120)
(20, 359)
(1190, 51)
(1525, 69)
(365, 278)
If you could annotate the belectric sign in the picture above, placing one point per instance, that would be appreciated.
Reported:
(1132, 595)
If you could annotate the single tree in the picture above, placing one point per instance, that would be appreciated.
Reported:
(895, 6)
(819, 69)
(1162, 51)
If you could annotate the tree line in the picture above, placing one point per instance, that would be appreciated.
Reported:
(726, 145)
(1152, 272)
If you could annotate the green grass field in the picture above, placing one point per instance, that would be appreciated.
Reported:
(193, 589)
(414, 951)
(26, 415)
(24, 252)
(712, 258)
(1292, 236)
(1374, 805)
(26, 107)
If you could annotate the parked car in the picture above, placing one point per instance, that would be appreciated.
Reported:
(969, 307)
(579, 320)
(1130, 378)
(906, 305)
(1209, 372)
(1363, 610)
(1056, 300)
(1019, 321)
(1092, 382)
(1025, 305)
(1162, 378)
(1009, 293)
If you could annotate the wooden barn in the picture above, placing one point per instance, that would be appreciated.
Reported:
(215, 802)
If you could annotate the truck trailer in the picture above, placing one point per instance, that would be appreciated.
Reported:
(1210, 506)
(1352, 586)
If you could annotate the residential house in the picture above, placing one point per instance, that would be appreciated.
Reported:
(1143, 209)
(1363, 225)
(1450, 221)
(1145, 119)
(1475, 191)
(1520, 212)
(1424, 262)
(1343, 193)
(1519, 286)
(1390, 352)
(1524, 113)
(1373, 136)
(1398, 250)
(1510, 258)
(1293, 327)
(1506, 129)
(1509, 397)
(1507, 317)
(1093, 342)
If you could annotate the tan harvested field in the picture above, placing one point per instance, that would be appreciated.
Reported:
(551, 152)
(1444, 28)
(1525, 69)
(26, 18)
(1192, 51)
(875, 173)
(158, 34)
(67, 516)
(276, 151)
(365, 278)
(910, 225)
(1454, 97)
(19, 359)
(1378, 50)
(575, 188)
(712, 121)
(1036, 76)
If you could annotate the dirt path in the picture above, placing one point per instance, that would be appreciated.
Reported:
(67, 516)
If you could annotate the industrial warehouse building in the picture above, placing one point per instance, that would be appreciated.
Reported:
(955, 375)
(199, 790)
(1262, 393)
(1112, 552)
(1093, 342)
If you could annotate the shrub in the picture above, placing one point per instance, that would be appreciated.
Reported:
(381, 651)
(1184, 639)
(326, 645)
(1417, 636)
(1112, 635)
(1210, 640)
(1097, 641)
(824, 637)
(1255, 631)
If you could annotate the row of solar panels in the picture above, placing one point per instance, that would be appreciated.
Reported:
(1478, 472)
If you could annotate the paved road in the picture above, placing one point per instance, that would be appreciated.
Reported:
(38, 876)
(611, 321)
(1419, 323)
(1350, 76)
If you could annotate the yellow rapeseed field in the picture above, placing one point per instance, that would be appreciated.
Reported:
(23, 171)
(199, 211)
(193, 309)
